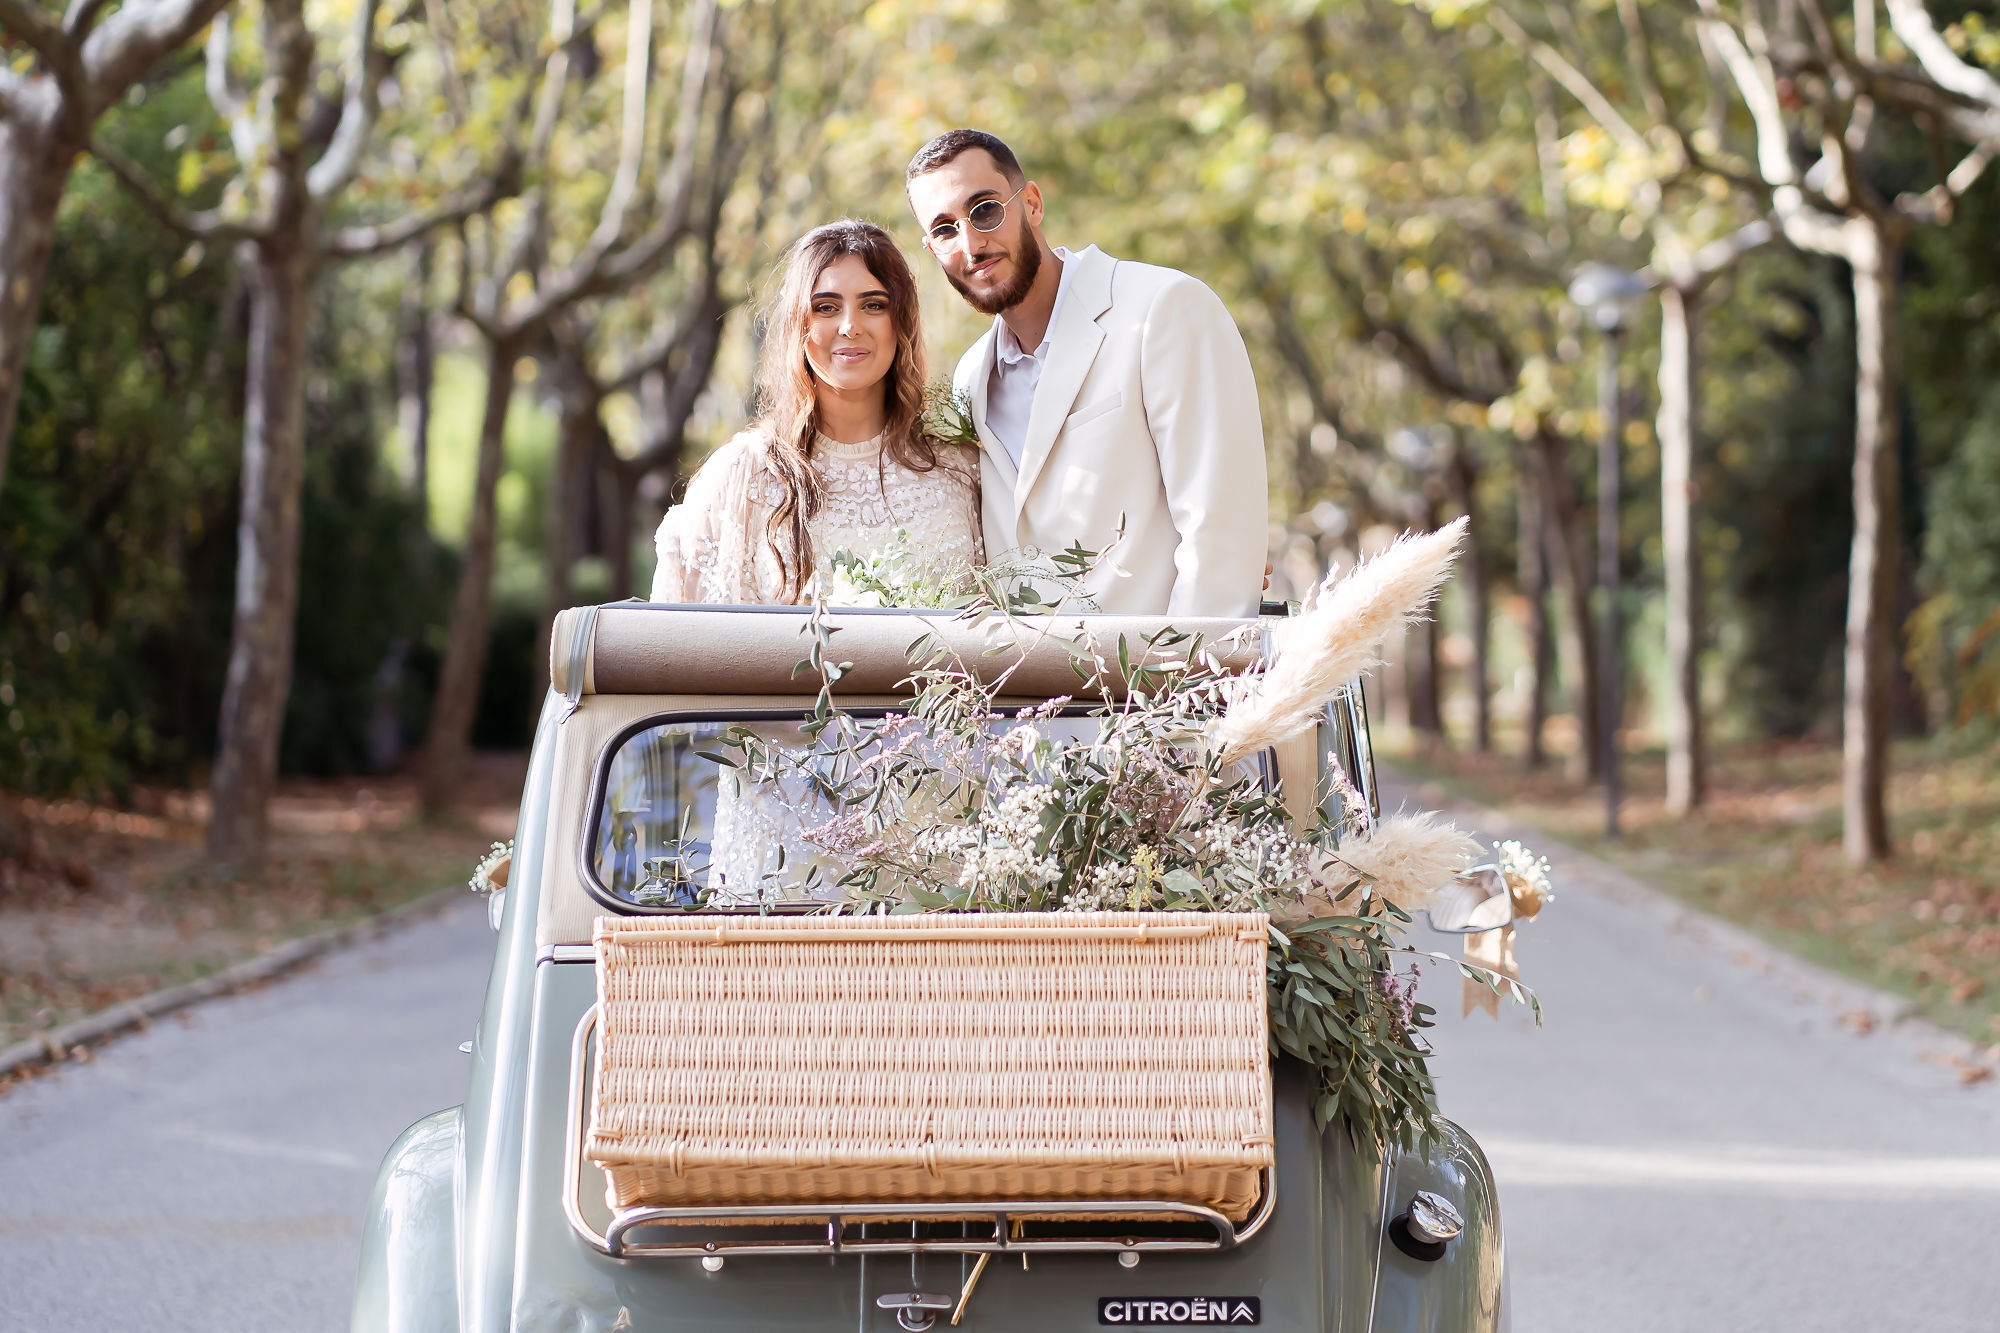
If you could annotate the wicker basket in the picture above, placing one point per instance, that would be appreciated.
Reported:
(1019, 1056)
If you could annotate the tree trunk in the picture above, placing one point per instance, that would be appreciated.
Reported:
(618, 529)
(1420, 672)
(1464, 475)
(35, 163)
(1686, 761)
(1871, 576)
(1420, 668)
(570, 469)
(1571, 566)
(445, 751)
(267, 555)
(416, 373)
(1531, 550)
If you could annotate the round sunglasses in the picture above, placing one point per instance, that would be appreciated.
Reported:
(986, 215)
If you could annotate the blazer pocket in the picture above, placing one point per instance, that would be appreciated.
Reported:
(1090, 412)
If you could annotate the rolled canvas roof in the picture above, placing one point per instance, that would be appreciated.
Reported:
(653, 649)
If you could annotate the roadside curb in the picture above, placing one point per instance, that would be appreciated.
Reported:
(54, 1045)
(1852, 1003)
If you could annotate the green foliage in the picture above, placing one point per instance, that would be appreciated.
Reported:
(1329, 1008)
(1781, 484)
(118, 509)
(1955, 635)
(1954, 345)
(119, 514)
(363, 664)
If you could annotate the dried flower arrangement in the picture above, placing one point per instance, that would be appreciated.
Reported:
(1142, 793)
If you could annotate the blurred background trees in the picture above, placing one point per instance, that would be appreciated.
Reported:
(462, 290)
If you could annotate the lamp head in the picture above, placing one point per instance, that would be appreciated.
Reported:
(1605, 293)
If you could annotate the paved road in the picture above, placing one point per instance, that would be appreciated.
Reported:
(209, 1175)
(1686, 1145)
(1695, 1142)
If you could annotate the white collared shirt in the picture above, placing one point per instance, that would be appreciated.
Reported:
(1010, 393)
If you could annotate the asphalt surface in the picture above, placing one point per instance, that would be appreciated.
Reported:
(210, 1174)
(1699, 1137)
(1694, 1140)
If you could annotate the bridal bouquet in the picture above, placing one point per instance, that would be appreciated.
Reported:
(1145, 792)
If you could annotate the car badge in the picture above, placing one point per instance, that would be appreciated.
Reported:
(1178, 1311)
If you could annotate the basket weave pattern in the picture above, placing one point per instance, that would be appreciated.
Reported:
(934, 1058)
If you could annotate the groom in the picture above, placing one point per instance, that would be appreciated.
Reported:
(1106, 391)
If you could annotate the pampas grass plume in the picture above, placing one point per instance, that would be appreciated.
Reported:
(1334, 639)
(1410, 857)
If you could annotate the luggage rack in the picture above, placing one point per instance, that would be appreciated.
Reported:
(1013, 1226)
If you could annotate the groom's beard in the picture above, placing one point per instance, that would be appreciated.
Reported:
(1027, 263)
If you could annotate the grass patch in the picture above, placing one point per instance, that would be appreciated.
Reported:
(1765, 853)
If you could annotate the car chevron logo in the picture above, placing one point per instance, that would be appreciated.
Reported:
(1176, 1311)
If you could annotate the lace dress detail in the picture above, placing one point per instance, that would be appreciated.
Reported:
(713, 546)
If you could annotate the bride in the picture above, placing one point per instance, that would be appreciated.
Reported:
(837, 459)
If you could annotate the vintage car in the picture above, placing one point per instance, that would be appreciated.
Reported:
(489, 1217)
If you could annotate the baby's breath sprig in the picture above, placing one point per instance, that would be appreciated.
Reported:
(496, 855)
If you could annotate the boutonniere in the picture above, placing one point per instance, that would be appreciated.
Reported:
(948, 415)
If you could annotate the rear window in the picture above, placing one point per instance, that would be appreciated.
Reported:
(675, 828)
(667, 803)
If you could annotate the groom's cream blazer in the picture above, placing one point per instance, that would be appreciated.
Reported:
(1146, 409)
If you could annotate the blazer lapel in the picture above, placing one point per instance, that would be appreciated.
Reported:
(1072, 347)
(996, 466)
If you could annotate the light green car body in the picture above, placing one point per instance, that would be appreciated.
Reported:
(466, 1230)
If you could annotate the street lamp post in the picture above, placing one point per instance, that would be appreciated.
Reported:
(1605, 294)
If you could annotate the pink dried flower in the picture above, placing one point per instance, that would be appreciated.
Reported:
(1402, 996)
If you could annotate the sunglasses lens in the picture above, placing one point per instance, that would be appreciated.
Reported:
(987, 215)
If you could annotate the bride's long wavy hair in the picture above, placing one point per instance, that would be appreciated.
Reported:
(787, 401)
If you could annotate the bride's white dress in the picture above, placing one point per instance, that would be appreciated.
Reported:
(714, 549)
(713, 546)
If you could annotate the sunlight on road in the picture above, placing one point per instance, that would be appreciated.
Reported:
(1522, 1163)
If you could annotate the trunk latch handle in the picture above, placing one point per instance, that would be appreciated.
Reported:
(915, 1310)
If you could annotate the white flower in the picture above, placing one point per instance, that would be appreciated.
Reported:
(1526, 876)
(1023, 740)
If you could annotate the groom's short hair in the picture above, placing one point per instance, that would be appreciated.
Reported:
(951, 143)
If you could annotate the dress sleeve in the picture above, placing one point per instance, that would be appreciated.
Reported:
(703, 542)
